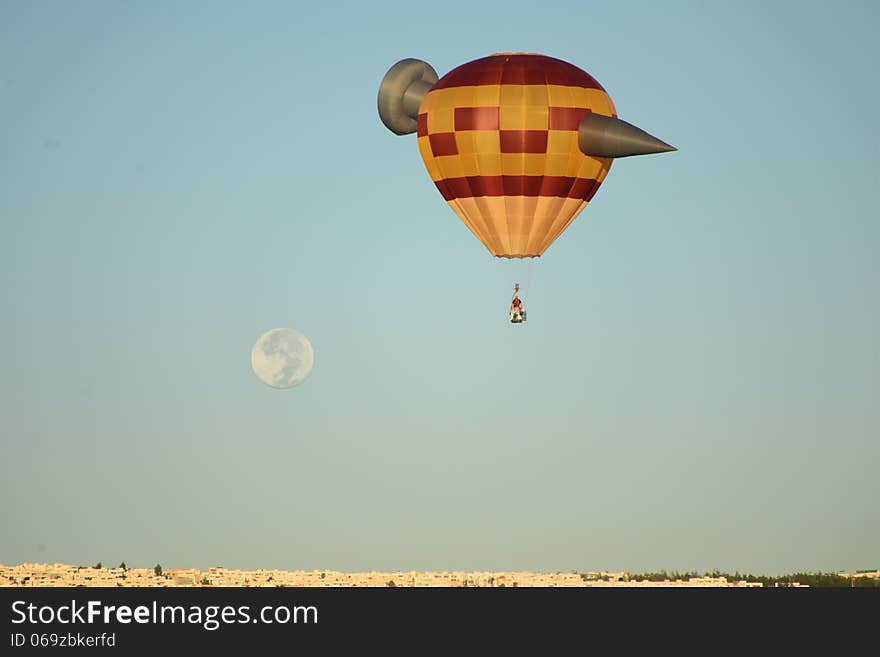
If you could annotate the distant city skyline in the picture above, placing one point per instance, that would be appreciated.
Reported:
(53, 575)
(696, 387)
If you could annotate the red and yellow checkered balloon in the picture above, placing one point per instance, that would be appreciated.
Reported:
(499, 137)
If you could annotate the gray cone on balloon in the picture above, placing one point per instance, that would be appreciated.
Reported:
(401, 92)
(607, 136)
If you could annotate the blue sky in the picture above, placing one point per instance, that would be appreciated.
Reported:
(697, 385)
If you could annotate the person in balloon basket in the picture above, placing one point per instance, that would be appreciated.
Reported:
(517, 311)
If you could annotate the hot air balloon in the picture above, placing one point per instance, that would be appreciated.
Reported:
(516, 143)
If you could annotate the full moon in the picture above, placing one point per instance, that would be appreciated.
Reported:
(282, 358)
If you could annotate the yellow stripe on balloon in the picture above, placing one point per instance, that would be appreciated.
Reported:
(491, 96)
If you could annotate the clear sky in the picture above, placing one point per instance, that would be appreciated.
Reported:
(697, 384)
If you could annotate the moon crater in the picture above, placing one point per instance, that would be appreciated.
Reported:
(282, 358)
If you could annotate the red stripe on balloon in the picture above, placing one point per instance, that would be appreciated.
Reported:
(443, 143)
(560, 186)
(523, 141)
(477, 118)
(517, 69)
(566, 118)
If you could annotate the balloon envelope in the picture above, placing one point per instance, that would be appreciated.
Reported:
(499, 137)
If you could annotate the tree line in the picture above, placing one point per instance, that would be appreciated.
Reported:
(814, 579)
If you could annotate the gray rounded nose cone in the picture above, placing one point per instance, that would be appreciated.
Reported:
(606, 136)
(401, 92)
